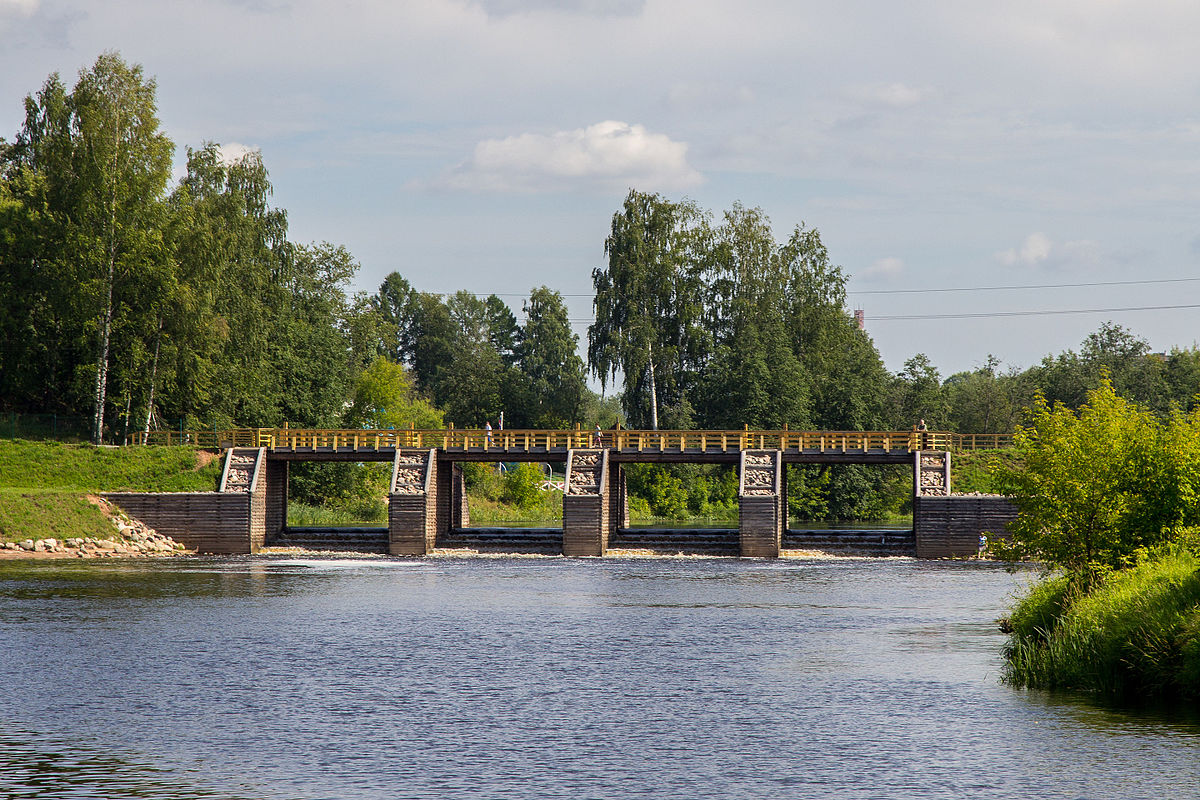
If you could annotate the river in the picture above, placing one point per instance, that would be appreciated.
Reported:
(544, 678)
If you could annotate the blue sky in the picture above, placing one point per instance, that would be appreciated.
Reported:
(485, 145)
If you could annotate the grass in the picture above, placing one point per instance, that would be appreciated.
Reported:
(50, 513)
(973, 471)
(303, 515)
(42, 484)
(486, 512)
(85, 468)
(1135, 636)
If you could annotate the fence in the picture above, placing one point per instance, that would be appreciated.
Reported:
(541, 440)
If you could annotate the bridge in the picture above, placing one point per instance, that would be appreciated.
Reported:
(427, 507)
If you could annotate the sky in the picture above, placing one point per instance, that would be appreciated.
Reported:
(485, 144)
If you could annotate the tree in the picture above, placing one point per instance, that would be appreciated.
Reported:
(547, 358)
(398, 306)
(385, 398)
(918, 395)
(89, 170)
(648, 305)
(122, 163)
(1094, 486)
(752, 376)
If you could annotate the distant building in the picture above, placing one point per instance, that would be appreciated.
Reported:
(860, 319)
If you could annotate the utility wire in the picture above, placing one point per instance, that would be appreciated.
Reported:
(1143, 282)
(1030, 286)
(989, 314)
(1041, 313)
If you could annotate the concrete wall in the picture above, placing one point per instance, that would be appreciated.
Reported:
(948, 527)
(208, 522)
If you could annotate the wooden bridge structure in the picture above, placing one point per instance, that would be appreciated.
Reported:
(426, 498)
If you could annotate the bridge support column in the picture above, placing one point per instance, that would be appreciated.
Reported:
(461, 511)
(618, 498)
(586, 503)
(760, 503)
(277, 498)
(413, 503)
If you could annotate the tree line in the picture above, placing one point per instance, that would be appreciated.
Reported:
(134, 299)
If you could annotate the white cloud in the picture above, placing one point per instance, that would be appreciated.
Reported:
(885, 269)
(610, 153)
(1040, 252)
(18, 8)
(894, 95)
(1033, 252)
(233, 152)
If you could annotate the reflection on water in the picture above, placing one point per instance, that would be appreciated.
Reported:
(543, 678)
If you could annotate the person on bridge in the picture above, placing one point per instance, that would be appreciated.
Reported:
(599, 436)
(487, 427)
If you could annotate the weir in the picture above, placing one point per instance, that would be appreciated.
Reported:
(427, 507)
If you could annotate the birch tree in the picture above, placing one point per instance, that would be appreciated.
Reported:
(121, 164)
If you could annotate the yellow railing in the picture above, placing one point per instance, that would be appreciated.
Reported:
(543, 440)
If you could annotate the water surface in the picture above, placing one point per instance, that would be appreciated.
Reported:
(543, 678)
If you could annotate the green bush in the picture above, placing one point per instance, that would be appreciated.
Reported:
(1136, 634)
(521, 486)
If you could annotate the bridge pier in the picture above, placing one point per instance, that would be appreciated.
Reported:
(761, 504)
(414, 512)
(276, 490)
(586, 503)
(618, 497)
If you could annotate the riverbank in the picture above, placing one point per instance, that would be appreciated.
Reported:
(48, 494)
(120, 537)
(1134, 637)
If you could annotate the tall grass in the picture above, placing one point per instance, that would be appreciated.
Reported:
(1137, 635)
(362, 516)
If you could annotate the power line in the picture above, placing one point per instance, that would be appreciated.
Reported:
(986, 314)
(933, 290)
(1029, 286)
(1039, 313)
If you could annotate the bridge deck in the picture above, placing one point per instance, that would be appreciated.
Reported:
(552, 445)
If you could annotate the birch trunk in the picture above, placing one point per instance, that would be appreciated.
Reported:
(153, 378)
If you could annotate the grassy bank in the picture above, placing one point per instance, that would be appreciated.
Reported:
(976, 471)
(1135, 636)
(42, 484)
(49, 513)
(55, 465)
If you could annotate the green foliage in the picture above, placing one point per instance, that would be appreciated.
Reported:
(521, 486)
(1136, 635)
(384, 398)
(840, 493)
(547, 358)
(682, 491)
(648, 305)
(323, 516)
(1096, 486)
(356, 490)
(510, 497)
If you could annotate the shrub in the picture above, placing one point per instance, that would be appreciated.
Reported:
(1135, 635)
(521, 486)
